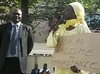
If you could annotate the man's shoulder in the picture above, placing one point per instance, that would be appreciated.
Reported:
(27, 26)
(33, 69)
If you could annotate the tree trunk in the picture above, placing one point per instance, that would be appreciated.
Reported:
(25, 18)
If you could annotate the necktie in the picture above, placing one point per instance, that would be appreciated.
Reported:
(14, 41)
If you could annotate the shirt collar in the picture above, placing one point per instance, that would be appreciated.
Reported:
(18, 24)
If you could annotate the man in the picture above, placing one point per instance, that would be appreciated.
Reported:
(44, 70)
(16, 42)
(35, 70)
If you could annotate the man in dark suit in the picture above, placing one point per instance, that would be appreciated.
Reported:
(35, 70)
(16, 42)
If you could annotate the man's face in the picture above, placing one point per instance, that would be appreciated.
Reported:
(69, 13)
(36, 66)
(16, 15)
(45, 66)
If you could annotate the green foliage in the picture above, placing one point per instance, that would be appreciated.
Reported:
(46, 9)
(5, 5)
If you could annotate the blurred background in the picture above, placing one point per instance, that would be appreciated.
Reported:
(43, 15)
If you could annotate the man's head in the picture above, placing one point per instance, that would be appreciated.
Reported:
(45, 66)
(36, 66)
(15, 15)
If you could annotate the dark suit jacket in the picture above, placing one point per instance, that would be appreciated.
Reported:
(26, 43)
(34, 71)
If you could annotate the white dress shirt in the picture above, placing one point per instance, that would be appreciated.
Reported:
(17, 47)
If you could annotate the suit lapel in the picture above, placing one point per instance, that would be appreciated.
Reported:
(23, 31)
(20, 37)
(23, 37)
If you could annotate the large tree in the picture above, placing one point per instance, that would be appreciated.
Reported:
(24, 7)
